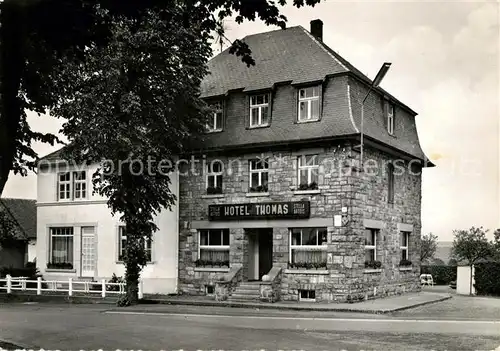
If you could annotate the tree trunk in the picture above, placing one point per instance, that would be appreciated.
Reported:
(12, 39)
(132, 275)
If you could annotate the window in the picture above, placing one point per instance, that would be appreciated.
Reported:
(405, 239)
(79, 185)
(259, 110)
(215, 120)
(308, 172)
(209, 289)
(259, 175)
(214, 178)
(72, 185)
(122, 243)
(64, 186)
(390, 118)
(61, 247)
(308, 246)
(390, 183)
(371, 245)
(306, 295)
(214, 246)
(309, 104)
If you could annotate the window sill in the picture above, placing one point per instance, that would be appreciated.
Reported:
(308, 121)
(307, 271)
(307, 192)
(56, 270)
(370, 270)
(405, 269)
(214, 131)
(212, 196)
(121, 262)
(211, 269)
(259, 126)
(257, 194)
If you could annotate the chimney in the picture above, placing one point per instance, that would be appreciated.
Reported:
(317, 29)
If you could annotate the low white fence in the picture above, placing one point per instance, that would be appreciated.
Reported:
(105, 288)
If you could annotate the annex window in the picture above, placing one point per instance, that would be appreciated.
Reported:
(214, 177)
(390, 118)
(308, 168)
(216, 118)
(259, 110)
(214, 246)
(61, 248)
(122, 243)
(259, 175)
(405, 239)
(371, 245)
(308, 247)
(309, 103)
(390, 183)
(307, 295)
(79, 185)
(72, 186)
(64, 186)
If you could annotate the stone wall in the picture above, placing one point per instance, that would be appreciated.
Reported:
(364, 195)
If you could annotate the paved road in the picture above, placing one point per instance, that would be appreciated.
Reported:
(191, 328)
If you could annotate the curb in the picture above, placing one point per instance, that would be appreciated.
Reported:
(285, 307)
(22, 298)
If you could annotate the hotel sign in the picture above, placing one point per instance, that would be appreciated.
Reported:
(266, 210)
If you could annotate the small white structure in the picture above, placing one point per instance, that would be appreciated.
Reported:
(465, 286)
(78, 238)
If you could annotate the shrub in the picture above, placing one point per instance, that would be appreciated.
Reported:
(441, 275)
(114, 279)
(60, 265)
(405, 263)
(373, 264)
(487, 278)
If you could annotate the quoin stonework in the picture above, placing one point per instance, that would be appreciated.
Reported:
(299, 217)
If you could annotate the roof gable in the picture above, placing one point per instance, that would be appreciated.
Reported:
(23, 211)
(288, 55)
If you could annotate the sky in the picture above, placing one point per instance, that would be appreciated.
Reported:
(445, 66)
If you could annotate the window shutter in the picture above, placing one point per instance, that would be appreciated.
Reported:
(296, 102)
(246, 106)
(321, 89)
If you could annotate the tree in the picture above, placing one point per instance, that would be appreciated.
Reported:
(126, 78)
(428, 246)
(471, 245)
(38, 37)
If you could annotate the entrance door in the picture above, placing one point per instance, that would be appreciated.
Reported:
(88, 256)
(265, 251)
(260, 252)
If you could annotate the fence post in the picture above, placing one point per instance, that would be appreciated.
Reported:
(140, 293)
(39, 286)
(70, 286)
(9, 284)
(103, 290)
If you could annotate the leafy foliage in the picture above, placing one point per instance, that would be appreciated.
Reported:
(125, 76)
(471, 245)
(373, 264)
(487, 278)
(441, 275)
(428, 246)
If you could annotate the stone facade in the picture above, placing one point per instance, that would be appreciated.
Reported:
(363, 196)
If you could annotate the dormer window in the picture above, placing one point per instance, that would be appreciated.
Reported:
(309, 103)
(390, 118)
(215, 120)
(259, 110)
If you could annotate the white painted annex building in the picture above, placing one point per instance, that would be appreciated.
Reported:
(78, 237)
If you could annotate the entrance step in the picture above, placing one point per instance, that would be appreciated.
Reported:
(246, 291)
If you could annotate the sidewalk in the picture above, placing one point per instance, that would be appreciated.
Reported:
(377, 306)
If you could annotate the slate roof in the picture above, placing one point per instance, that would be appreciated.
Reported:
(24, 212)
